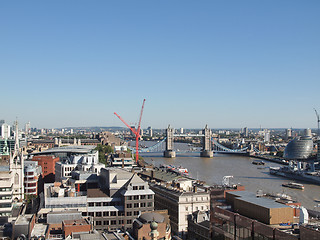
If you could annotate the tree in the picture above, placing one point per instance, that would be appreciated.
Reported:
(103, 150)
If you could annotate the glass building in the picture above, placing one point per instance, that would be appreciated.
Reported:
(299, 148)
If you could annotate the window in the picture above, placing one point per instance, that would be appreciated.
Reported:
(106, 214)
(113, 213)
(136, 213)
(149, 204)
(105, 204)
(135, 187)
(91, 204)
(141, 187)
(136, 205)
(129, 213)
(129, 197)
(143, 204)
(105, 222)
(98, 214)
(186, 208)
(149, 196)
(98, 204)
(121, 222)
(113, 222)
(129, 221)
(136, 197)
(91, 214)
(98, 222)
(143, 197)
(129, 205)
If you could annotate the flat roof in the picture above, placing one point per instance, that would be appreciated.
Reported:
(259, 201)
(76, 222)
(83, 149)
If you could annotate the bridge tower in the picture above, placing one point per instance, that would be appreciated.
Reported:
(206, 143)
(169, 152)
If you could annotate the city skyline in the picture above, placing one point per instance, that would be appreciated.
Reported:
(226, 64)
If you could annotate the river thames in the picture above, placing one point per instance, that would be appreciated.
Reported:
(253, 177)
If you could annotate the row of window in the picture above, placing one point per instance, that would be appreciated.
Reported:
(103, 214)
(100, 204)
(5, 197)
(112, 222)
(138, 187)
(5, 205)
(198, 208)
(137, 197)
(137, 205)
(5, 189)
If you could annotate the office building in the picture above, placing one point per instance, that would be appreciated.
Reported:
(32, 177)
(181, 200)
(48, 165)
(5, 130)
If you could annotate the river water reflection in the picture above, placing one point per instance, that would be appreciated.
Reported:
(253, 177)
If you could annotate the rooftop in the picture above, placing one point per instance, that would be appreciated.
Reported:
(259, 201)
(83, 149)
(95, 193)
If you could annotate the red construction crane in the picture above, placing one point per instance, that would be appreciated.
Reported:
(135, 132)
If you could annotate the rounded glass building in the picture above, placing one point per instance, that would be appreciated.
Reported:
(299, 148)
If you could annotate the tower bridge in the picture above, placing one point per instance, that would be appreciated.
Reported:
(206, 150)
(209, 145)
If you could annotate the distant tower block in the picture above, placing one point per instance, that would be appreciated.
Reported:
(169, 152)
(206, 143)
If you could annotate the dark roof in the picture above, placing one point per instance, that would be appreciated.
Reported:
(95, 193)
(150, 217)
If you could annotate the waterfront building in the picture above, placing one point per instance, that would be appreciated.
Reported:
(199, 226)
(299, 148)
(180, 202)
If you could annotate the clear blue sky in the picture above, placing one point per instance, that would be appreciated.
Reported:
(228, 64)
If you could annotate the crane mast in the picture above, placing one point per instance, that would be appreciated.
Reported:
(135, 132)
(318, 120)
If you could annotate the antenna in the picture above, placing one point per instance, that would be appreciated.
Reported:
(318, 120)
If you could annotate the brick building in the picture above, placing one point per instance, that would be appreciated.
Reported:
(47, 163)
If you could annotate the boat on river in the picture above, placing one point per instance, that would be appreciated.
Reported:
(296, 174)
(258, 162)
(179, 170)
(293, 185)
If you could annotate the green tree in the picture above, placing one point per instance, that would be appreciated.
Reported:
(103, 151)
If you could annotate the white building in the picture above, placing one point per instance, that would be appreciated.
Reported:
(86, 163)
(5, 130)
(181, 201)
(6, 191)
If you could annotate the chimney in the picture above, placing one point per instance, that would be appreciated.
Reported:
(195, 189)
